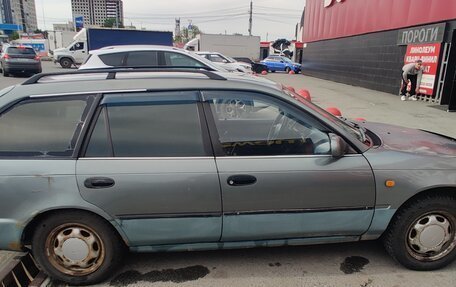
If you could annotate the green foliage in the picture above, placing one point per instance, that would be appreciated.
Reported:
(14, 36)
(111, 23)
(186, 35)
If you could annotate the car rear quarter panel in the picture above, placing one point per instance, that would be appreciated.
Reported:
(31, 187)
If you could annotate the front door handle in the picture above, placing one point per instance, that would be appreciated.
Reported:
(99, 182)
(241, 179)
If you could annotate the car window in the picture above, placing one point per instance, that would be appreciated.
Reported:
(45, 128)
(255, 125)
(176, 59)
(115, 59)
(216, 58)
(79, 46)
(21, 51)
(164, 128)
(142, 58)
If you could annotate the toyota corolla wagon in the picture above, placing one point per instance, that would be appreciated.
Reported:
(93, 163)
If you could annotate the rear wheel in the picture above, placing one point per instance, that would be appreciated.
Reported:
(5, 73)
(66, 63)
(422, 235)
(77, 248)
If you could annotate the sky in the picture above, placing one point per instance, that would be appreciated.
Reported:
(272, 19)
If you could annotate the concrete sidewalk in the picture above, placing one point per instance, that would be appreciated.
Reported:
(372, 105)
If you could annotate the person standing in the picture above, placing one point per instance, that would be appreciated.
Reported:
(412, 72)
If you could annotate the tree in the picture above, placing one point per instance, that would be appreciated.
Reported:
(112, 23)
(186, 35)
(14, 36)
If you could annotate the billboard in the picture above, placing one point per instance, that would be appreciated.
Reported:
(79, 22)
(429, 54)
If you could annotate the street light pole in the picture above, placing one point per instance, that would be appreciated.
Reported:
(250, 18)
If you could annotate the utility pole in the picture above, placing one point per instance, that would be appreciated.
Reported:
(250, 18)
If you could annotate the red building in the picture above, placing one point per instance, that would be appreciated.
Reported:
(366, 42)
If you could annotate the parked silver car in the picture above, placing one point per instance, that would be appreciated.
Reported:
(226, 62)
(93, 163)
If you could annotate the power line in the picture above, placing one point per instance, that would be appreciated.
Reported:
(202, 13)
(275, 8)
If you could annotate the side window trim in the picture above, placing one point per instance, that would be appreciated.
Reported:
(100, 111)
(212, 129)
(85, 125)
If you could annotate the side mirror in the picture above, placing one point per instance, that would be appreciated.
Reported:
(282, 62)
(224, 61)
(338, 145)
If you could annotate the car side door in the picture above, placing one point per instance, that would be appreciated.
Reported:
(79, 52)
(277, 174)
(149, 164)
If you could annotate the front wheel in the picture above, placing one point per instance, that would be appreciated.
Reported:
(77, 248)
(66, 63)
(287, 69)
(422, 234)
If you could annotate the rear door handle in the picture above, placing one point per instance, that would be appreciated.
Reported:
(99, 182)
(241, 179)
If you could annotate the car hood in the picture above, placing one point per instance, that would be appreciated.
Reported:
(60, 50)
(396, 138)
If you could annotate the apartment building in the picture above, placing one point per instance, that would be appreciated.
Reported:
(95, 12)
(19, 12)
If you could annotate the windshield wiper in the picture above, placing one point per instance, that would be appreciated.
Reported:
(361, 130)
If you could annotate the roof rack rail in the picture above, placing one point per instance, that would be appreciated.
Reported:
(112, 72)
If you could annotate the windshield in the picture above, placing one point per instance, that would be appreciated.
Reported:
(350, 127)
(286, 60)
(207, 62)
(21, 51)
(230, 59)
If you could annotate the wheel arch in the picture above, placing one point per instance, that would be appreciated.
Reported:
(30, 227)
(385, 217)
(60, 57)
(434, 191)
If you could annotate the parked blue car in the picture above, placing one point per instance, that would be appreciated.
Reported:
(281, 63)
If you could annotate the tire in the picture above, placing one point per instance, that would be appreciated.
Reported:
(5, 73)
(66, 63)
(407, 238)
(287, 69)
(84, 235)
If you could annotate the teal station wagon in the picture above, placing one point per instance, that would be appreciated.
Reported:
(93, 163)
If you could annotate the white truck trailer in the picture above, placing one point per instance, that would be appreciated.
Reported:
(230, 45)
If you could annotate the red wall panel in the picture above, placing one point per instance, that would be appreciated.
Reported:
(353, 17)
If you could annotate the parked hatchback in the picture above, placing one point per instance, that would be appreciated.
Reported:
(19, 59)
(281, 63)
(93, 163)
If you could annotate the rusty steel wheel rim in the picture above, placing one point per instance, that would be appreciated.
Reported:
(432, 236)
(75, 249)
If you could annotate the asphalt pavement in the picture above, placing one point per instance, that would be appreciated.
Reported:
(355, 264)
